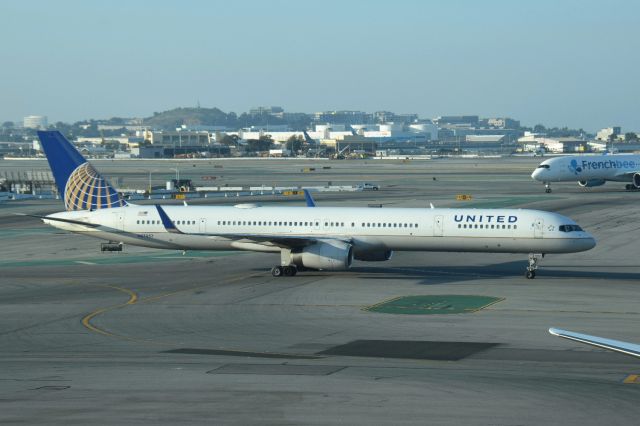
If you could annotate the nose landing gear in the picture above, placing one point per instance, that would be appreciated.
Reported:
(533, 265)
(547, 187)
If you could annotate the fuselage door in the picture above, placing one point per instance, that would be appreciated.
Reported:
(118, 219)
(538, 228)
(438, 226)
(202, 227)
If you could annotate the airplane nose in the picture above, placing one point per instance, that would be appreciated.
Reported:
(588, 242)
(536, 174)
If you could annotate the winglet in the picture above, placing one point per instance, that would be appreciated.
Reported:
(166, 222)
(309, 199)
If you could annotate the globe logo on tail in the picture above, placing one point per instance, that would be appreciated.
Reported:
(87, 190)
(574, 168)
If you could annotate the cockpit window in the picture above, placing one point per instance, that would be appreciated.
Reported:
(544, 166)
(569, 228)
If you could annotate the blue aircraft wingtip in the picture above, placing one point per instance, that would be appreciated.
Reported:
(309, 198)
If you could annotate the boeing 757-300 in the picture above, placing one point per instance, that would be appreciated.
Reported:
(590, 170)
(321, 238)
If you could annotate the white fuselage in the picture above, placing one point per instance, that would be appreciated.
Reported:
(585, 168)
(367, 229)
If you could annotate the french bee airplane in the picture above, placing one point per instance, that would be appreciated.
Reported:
(590, 170)
(319, 238)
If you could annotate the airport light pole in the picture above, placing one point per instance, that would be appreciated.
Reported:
(149, 171)
(177, 173)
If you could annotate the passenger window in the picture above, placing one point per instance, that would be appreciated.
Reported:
(503, 226)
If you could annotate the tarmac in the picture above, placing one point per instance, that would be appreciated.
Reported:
(161, 337)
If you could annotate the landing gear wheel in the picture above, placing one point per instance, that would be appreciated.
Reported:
(533, 265)
(289, 270)
(547, 188)
(277, 271)
(629, 187)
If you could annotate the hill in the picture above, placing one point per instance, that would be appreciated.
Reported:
(191, 117)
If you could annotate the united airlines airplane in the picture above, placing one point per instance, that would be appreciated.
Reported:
(321, 238)
(590, 170)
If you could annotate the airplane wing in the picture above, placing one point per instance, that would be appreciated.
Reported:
(610, 344)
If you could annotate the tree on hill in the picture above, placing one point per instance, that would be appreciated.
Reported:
(630, 136)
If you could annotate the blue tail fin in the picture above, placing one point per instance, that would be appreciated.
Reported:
(309, 139)
(78, 182)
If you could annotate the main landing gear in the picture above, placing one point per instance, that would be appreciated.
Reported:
(286, 268)
(533, 265)
(630, 187)
(287, 271)
(547, 187)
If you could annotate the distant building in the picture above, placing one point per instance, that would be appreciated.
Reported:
(606, 133)
(35, 122)
(179, 138)
(503, 123)
(274, 111)
(343, 117)
(490, 139)
(533, 141)
(458, 120)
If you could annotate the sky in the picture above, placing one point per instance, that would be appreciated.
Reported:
(555, 62)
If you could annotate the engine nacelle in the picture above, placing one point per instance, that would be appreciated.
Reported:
(373, 256)
(590, 183)
(326, 255)
(636, 180)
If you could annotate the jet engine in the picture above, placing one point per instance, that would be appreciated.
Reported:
(327, 255)
(636, 180)
(373, 256)
(590, 183)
